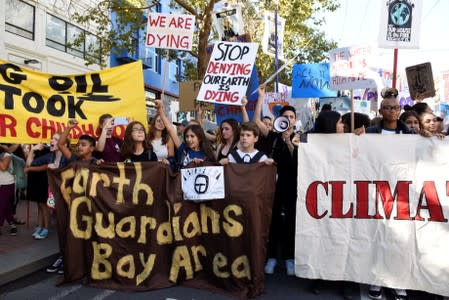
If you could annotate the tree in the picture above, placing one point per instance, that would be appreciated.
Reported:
(115, 30)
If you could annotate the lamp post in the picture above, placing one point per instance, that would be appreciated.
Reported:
(276, 62)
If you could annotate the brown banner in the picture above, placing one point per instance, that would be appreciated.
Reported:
(127, 227)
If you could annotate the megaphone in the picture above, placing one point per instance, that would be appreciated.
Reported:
(281, 124)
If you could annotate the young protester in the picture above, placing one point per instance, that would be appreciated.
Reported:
(282, 151)
(227, 138)
(158, 136)
(411, 119)
(360, 120)
(245, 152)
(84, 152)
(390, 124)
(135, 145)
(108, 146)
(39, 192)
(7, 191)
(389, 109)
(84, 148)
(195, 148)
(268, 121)
(429, 124)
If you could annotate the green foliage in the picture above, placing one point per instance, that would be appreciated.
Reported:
(302, 39)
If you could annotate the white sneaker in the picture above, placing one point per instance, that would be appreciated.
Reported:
(290, 266)
(270, 265)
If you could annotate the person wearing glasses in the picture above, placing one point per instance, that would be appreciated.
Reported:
(390, 124)
(390, 111)
(135, 147)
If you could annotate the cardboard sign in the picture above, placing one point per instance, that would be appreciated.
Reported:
(311, 81)
(420, 81)
(444, 87)
(400, 23)
(350, 68)
(170, 31)
(228, 73)
(268, 40)
(228, 23)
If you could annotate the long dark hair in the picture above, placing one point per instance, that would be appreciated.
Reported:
(327, 122)
(152, 131)
(128, 147)
(235, 131)
(204, 144)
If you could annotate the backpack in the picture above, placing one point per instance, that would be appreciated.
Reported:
(16, 168)
(239, 159)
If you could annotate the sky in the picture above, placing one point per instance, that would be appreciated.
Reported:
(356, 22)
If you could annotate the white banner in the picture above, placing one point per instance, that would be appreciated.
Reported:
(203, 183)
(268, 40)
(353, 68)
(374, 209)
(170, 31)
(400, 22)
(228, 73)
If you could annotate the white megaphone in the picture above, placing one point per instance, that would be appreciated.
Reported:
(281, 124)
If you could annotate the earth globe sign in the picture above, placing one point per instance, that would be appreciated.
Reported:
(400, 14)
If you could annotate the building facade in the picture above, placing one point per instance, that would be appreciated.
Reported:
(36, 34)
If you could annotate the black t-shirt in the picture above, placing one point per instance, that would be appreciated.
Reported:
(287, 163)
(144, 156)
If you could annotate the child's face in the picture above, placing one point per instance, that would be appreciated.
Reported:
(54, 142)
(192, 140)
(138, 133)
(429, 122)
(159, 124)
(412, 123)
(247, 139)
(84, 148)
(226, 131)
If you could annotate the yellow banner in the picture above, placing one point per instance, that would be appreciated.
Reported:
(34, 105)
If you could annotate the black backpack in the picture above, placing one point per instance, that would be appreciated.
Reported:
(239, 159)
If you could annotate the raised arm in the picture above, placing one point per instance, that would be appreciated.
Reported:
(63, 139)
(30, 156)
(245, 117)
(258, 110)
(106, 126)
(168, 124)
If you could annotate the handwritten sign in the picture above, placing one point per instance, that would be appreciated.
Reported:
(311, 81)
(228, 73)
(170, 31)
(350, 68)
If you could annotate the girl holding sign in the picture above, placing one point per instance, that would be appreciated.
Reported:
(196, 147)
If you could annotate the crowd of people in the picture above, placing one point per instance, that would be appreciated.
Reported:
(186, 143)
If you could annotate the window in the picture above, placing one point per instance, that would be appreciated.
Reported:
(174, 71)
(20, 18)
(61, 36)
(148, 57)
(157, 62)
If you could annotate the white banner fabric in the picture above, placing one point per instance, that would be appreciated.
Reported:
(373, 209)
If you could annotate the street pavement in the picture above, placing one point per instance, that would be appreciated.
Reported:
(22, 275)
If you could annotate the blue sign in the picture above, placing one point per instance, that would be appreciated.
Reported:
(311, 81)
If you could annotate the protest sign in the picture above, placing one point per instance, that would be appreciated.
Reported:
(268, 39)
(375, 215)
(122, 228)
(228, 22)
(35, 105)
(311, 81)
(170, 31)
(188, 92)
(350, 68)
(228, 73)
(400, 23)
(420, 81)
(203, 183)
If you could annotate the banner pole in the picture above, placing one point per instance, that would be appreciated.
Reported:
(165, 74)
(395, 67)
(276, 59)
(352, 110)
